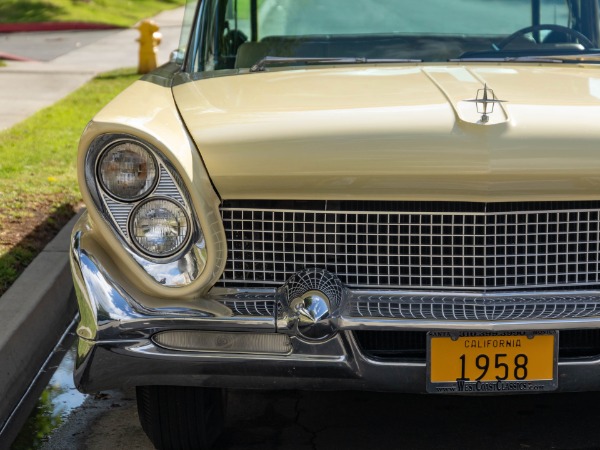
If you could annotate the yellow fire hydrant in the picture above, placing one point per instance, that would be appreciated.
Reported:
(149, 40)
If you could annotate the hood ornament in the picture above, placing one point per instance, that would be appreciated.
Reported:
(485, 102)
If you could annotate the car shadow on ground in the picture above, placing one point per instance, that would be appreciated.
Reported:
(362, 420)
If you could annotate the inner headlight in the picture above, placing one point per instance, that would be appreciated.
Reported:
(159, 227)
(127, 171)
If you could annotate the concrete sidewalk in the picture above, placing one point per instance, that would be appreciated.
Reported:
(63, 61)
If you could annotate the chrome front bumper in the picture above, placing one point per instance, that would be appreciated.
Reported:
(116, 345)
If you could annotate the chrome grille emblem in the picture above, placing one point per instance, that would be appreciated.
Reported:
(312, 298)
(485, 102)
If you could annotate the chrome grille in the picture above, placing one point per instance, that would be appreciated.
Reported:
(488, 247)
(264, 308)
(167, 187)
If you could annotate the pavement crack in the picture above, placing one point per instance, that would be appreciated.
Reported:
(312, 433)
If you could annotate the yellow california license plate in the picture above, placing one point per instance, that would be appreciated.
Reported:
(479, 363)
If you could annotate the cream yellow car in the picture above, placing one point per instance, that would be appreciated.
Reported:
(343, 194)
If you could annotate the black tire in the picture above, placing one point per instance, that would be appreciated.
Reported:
(181, 417)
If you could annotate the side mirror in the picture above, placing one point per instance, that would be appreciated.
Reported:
(176, 57)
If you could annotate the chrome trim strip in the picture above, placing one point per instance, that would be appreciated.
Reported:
(353, 323)
(148, 348)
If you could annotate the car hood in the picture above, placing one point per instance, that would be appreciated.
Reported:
(398, 132)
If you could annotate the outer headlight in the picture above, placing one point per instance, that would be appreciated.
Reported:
(127, 171)
(159, 227)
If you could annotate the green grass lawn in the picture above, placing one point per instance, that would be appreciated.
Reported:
(115, 12)
(38, 181)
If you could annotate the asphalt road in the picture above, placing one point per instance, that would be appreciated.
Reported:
(295, 420)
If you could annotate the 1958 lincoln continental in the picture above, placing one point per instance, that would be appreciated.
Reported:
(344, 194)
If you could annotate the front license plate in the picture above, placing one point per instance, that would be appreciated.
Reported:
(480, 363)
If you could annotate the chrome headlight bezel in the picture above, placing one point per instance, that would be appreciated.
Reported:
(177, 268)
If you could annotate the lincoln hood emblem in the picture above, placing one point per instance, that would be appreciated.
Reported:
(485, 102)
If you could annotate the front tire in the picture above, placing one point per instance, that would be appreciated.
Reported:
(181, 417)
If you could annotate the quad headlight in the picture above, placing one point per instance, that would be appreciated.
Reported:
(127, 171)
(140, 194)
(159, 227)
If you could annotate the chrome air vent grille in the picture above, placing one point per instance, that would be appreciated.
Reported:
(264, 308)
(484, 308)
(452, 246)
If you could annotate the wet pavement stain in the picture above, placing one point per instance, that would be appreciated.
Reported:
(55, 404)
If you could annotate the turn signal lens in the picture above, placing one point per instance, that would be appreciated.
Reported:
(159, 227)
(127, 171)
(208, 341)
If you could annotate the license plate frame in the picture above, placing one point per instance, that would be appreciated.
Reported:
(438, 381)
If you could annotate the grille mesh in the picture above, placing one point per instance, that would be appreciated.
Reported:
(517, 246)
(264, 308)
(492, 308)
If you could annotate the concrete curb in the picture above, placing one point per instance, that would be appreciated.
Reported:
(34, 314)
(54, 26)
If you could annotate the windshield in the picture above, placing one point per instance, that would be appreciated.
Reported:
(239, 34)
(186, 28)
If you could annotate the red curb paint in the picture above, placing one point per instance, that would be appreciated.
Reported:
(53, 26)
(11, 57)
